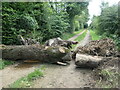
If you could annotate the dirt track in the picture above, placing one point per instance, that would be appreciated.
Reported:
(12, 73)
(55, 76)
(65, 76)
(74, 37)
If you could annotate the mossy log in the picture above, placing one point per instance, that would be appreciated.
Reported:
(36, 52)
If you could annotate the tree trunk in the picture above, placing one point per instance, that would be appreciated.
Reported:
(87, 61)
(36, 52)
(72, 24)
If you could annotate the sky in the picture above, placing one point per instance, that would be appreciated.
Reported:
(94, 7)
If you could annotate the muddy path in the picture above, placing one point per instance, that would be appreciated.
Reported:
(55, 76)
(65, 76)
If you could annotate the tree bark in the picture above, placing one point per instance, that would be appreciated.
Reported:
(87, 61)
(35, 52)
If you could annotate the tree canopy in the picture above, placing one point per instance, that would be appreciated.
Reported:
(107, 24)
(41, 20)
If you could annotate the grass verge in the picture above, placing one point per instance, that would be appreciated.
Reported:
(94, 35)
(66, 36)
(27, 81)
(5, 63)
(79, 38)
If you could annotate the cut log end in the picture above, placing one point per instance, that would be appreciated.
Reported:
(62, 50)
(87, 61)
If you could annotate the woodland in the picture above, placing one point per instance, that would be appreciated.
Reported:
(57, 35)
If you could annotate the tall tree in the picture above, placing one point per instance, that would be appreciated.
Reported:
(74, 9)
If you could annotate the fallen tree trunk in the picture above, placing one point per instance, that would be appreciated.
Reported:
(36, 52)
(87, 61)
(98, 52)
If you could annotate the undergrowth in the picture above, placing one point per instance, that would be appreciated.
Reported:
(108, 79)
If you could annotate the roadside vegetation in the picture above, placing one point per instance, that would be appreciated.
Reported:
(107, 24)
(94, 35)
(110, 77)
(27, 81)
(5, 63)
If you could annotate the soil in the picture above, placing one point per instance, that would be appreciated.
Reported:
(12, 73)
(55, 76)
(107, 74)
(64, 77)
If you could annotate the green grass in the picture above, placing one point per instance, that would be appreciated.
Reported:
(81, 37)
(5, 63)
(27, 81)
(66, 36)
(94, 35)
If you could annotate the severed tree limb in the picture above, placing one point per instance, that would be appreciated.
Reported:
(54, 51)
(27, 41)
(51, 42)
(59, 42)
(87, 61)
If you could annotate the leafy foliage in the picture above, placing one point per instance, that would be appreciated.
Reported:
(74, 9)
(27, 22)
(107, 24)
(39, 20)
